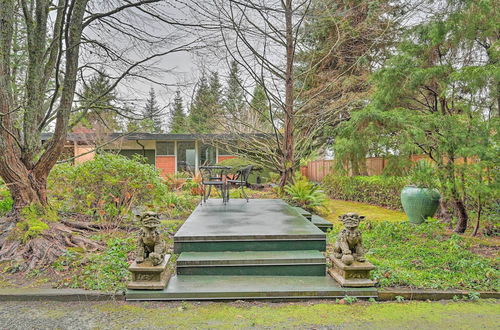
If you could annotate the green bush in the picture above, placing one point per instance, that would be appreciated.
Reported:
(106, 270)
(306, 194)
(108, 186)
(258, 174)
(378, 190)
(5, 199)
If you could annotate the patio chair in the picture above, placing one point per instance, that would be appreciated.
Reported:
(240, 180)
(210, 178)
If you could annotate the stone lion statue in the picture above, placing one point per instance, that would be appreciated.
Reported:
(150, 244)
(349, 245)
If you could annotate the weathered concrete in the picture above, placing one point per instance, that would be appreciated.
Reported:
(146, 276)
(250, 287)
(321, 223)
(261, 224)
(21, 294)
(356, 274)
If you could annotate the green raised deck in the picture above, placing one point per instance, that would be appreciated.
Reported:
(250, 287)
(259, 225)
(263, 249)
(321, 223)
(277, 263)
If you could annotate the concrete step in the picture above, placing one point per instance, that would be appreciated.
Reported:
(182, 287)
(321, 223)
(271, 263)
(302, 212)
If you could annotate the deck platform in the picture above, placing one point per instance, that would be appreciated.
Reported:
(258, 225)
(261, 249)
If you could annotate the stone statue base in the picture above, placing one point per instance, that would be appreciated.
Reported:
(355, 275)
(145, 276)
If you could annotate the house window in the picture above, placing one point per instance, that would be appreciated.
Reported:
(207, 155)
(186, 156)
(165, 148)
(223, 152)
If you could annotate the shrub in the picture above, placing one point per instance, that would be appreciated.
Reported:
(107, 187)
(306, 194)
(258, 174)
(378, 190)
(106, 270)
(5, 199)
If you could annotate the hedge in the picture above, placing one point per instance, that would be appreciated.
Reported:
(378, 190)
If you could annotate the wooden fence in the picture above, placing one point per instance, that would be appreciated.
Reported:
(316, 170)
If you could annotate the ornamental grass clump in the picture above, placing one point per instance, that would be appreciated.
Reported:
(306, 194)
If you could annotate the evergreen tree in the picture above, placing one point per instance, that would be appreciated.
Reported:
(198, 115)
(206, 107)
(152, 122)
(432, 97)
(98, 108)
(346, 40)
(259, 110)
(234, 101)
(177, 116)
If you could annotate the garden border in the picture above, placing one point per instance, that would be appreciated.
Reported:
(384, 294)
(35, 294)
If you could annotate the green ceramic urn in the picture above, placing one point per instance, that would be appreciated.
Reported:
(419, 203)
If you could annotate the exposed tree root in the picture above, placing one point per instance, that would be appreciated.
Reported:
(44, 249)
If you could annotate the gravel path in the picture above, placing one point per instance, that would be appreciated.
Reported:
(313, 315)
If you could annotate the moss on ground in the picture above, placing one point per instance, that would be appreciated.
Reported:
(461, 315)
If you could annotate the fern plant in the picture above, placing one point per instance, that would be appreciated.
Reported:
(305, 194)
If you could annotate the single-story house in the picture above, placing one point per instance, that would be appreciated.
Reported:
(170, 153)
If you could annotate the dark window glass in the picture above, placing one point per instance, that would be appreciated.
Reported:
(186, 156)
(223, 152)
(207, 155)
(165, 148)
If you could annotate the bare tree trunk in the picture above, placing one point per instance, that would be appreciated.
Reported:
(478, 218)
(288, 139)
(462, 216)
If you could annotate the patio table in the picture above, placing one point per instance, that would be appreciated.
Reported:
(214, 177)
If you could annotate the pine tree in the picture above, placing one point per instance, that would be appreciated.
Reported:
(152, 122)
(259, 110)
(197, 111)
(98, 107)
(177, 116)
(432, 98)
(234, 101)
(206, 107)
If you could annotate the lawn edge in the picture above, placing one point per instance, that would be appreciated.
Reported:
(386, 294)
(27, 294)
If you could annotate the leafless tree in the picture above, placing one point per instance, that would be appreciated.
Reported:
(262, 37)
(48, 48)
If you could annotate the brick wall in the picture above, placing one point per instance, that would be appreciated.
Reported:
(166, 164)
(221, 158)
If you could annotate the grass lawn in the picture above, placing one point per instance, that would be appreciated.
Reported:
(372, 212)
(260, 315)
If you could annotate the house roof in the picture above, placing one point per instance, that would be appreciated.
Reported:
(87, 137)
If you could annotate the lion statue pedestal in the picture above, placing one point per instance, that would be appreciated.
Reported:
(350, 267)
(149, 270)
